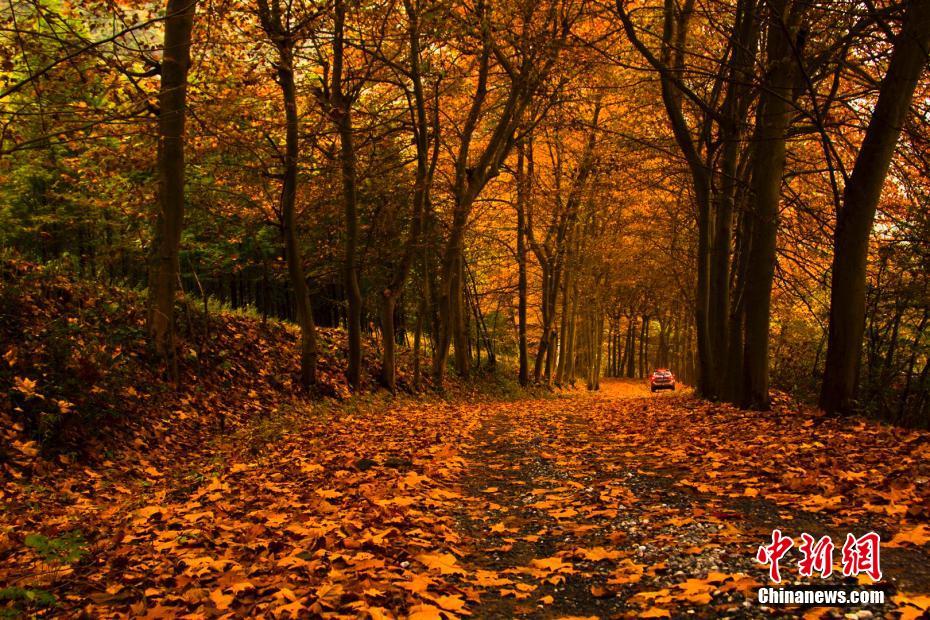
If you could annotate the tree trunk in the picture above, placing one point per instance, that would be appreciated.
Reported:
(734, 110)
(860, 199)
(521, 270)
(388, 346)
(418, 211)
(547, 323)
(773, 118)
(460, 333)
(631, 347)
(563, 327)
(598, 350)
(283, 40)
(571, 338)
(308, 339)
(733, 389)
(172, 100)
(341, 113)
(417, 337)
(909, 376)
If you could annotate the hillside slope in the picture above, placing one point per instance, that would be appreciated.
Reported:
(78, 383)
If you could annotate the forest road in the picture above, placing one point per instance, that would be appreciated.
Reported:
(574, 509)
(614, 504)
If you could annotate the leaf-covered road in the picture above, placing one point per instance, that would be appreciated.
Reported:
(573, 519)
(615, 504)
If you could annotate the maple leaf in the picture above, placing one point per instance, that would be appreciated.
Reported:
(293, 609)
(911, 606)
(418, 583)
(627, 572)
(696, 591)
(26, 387)
(424, 612)
(552, 564)
(150, 511)
(241, 586)
(490, 579)
(413, 479)
(566, 513)
(328, 594)
(152, 471)
(221, 600)
(380, 613)
(597, 554)
(450, 603)
(445, 563)
(917, 535)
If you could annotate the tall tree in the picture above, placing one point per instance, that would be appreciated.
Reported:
(860, 200)
(340, 111)
(542, 35)
(422, 182)
(523, 179)
(785, 40)
(278, 26)
(172, 114)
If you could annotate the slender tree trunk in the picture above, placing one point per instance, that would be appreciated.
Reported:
(909, 376)
(631, 338)
(773, 118)
(563, 327)
(887, 363)
(734, 110)
(460, 333)
(341, 113)
(388, 346)
(418, 209)
(610, 350)
(417, 336)
(544, 334)
(571, 338)
(860, 199)
(615, 372)
(733, 389)
(308, 339)
(521, 270)
(172, 100)
(551, 353)
(599, 350)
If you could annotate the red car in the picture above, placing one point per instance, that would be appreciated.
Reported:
(662, 379)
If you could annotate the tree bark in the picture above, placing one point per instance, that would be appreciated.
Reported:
(631, 347)
(523, 374)
(860, 200)
(283, 40)
(341, 113)
(418, 208)
(912, 361)
(172, 100)
(472, 174)
(773, 118)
